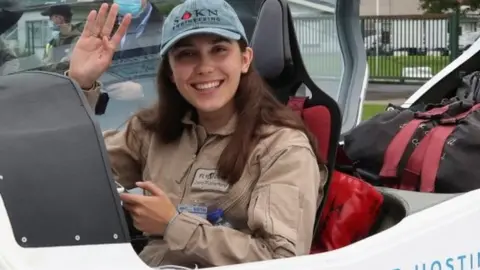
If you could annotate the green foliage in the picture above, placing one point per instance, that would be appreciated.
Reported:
(165, 6)
(441, 6)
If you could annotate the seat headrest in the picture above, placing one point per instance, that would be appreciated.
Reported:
(246, 16)
(270, 39)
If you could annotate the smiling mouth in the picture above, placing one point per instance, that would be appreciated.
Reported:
(207, 86)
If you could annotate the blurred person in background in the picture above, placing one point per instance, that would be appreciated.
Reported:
(65, 34)
(144, 33)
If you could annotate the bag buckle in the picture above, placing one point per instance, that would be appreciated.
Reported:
(449, 121)
(426, 116)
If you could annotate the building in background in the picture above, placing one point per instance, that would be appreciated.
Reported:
(390, 7)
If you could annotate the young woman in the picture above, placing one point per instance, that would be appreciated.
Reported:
(231, 174)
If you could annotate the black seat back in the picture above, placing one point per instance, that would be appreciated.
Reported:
(273, 56)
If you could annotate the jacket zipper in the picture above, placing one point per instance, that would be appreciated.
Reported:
(187, 174)
(227, 204)
(188, 182)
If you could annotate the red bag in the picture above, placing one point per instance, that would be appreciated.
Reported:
(351, 210)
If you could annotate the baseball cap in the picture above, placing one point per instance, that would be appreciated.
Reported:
(64, 10)
(201, 17)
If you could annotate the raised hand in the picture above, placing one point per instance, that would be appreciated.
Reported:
(92, 55)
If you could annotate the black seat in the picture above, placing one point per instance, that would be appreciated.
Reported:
(279, 61)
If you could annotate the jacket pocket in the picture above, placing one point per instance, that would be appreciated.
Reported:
(275, 211)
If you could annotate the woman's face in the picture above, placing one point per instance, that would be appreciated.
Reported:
(206, 70)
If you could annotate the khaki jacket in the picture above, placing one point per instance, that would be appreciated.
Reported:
(272, 207)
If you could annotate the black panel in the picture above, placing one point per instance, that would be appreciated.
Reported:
(57, 184)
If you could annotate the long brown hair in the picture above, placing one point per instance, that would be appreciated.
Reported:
(255, 105)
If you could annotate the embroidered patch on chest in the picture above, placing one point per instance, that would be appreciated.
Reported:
(207, 179)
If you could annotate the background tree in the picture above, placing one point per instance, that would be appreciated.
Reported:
(440, 6)
(165, 6)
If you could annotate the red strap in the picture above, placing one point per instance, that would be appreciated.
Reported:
(411, 174)
(297, 104)
(434, 152)
(397, 146)
(432, 157)
(433, 112)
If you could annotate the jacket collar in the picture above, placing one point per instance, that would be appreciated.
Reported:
(228, 129)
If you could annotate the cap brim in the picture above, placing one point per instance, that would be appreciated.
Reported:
(215, 31)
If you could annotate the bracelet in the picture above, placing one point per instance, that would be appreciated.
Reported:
(95, 84)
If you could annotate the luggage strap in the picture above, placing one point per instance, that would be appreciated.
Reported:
(409, 138)
(415, 150)
(399, 143)
(423, 165)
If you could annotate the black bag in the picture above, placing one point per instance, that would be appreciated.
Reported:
(432, 148)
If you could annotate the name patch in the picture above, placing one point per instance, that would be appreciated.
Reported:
(207, 179)
(198, 210)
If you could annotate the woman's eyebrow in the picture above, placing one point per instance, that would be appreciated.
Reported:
(219, 40)
(188, 43)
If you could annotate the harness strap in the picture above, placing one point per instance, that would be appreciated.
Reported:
(297, 104)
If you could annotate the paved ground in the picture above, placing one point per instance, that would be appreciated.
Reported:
(380, 92)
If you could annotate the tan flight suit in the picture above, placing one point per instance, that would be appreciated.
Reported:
(272, 207)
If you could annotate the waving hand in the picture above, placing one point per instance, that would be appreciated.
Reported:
(92, 55)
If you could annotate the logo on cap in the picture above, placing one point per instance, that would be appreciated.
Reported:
(196, 16)
(187, 15)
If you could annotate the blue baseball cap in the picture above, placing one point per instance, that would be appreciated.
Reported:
(201, 17)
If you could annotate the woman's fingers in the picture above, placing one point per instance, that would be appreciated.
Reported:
(122, 30)
(110, 21)
(100, 25)
(100, 20)
(108, 45)
(89, 24)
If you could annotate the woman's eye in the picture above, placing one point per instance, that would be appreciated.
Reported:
(184, 54)
(219, 49)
